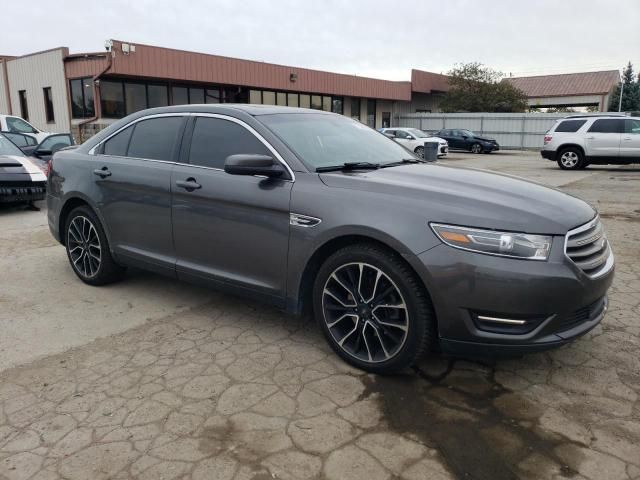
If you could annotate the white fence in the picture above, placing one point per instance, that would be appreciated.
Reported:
(511, 130)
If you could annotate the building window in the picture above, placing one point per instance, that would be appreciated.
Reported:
(82, 105)
(255, 97)
(281, 99)
(355, 108)
(337, 105)
(305, 101)
(112, 99)
(179, 96)
(236, 95)
(24, 108)
(292, 99)
(386, 119)
(316, 102)
(196, 95)
(212, 95)
(326, 104)
(135, 95)
(157, 96)
(48, 105)
(371, 113)
(268, 98)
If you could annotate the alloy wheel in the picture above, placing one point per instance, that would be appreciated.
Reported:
(365, 312)
(569, 159)
(420, 152)
(476, 148)
(84, 246)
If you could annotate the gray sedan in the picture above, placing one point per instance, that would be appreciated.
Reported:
(315, 212)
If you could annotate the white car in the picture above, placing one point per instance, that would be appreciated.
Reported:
(414, 139)
(21, 179)
(578, 141)
(13, 124)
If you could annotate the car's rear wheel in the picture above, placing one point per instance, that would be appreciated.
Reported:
(88, 248)
(571, 159)
(476, 148)
(419, 151)
(372, 308)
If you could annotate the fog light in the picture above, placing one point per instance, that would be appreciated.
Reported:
(506, 324)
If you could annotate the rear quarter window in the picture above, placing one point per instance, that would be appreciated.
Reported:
(570, 126)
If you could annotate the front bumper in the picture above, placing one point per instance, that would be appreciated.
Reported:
(548, 154)
(443, 150)
(558, 301)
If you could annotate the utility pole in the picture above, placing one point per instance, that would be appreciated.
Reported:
(621, 92)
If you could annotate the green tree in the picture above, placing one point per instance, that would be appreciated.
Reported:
(474, 87)
(630, 94)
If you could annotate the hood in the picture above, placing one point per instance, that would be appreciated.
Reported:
(15, 168)
(434, 139)
(472, 198)
(486, 139)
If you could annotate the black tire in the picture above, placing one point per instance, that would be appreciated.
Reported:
(416, 315)
(476, 148)
(571, 158)
(93, 265)
(419, 151)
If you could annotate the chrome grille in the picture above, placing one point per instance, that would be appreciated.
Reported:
(587, 246)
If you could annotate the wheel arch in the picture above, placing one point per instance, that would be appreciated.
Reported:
(304, 302)
(564, 146)
(73, 201)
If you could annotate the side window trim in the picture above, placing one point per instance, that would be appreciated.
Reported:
(98, 149)
(247, 127)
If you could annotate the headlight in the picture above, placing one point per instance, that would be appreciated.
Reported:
(506, 244)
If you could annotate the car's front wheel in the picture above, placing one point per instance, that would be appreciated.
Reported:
(88, 249)
(419, 151)
(373, 310)
(571, 159)
(476, 148)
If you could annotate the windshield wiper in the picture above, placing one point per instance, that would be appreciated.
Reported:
(349, 166)
(403, 162)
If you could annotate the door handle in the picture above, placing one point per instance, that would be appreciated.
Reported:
(590, 138)
(627, 138)
(102, 172)
(189, 184)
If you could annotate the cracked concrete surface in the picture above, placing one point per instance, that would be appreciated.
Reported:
(215, 387)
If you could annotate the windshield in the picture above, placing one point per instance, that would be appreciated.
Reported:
(322, 140)
(418, 133)
(468, 133)
(8, 148)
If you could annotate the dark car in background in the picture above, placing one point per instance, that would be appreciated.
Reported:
(461, 139)
(313, 211)
(44, 150)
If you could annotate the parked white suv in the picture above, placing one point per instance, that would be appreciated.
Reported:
(13, 124)
(580, 140)
(414, 139)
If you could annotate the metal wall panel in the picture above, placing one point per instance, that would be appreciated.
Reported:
(511, 130)
(34, 72)
(4, 104)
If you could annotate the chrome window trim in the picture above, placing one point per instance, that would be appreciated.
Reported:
(248, 127)
(610, 259)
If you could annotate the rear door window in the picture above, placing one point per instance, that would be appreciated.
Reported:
(633, 126)
(570, 126)
(118, 144)
(155, 138)
(608, 125)
(214, 139)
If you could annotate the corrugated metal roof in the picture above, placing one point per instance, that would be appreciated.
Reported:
(568, 84)
(178, 65)
(426, 82)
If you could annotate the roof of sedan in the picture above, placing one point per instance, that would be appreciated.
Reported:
(250, 109)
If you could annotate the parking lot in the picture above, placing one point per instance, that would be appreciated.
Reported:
(151, 378)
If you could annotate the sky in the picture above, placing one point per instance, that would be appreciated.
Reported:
(375, 38)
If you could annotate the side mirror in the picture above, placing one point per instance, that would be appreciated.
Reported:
(42, 153)
(250, 164)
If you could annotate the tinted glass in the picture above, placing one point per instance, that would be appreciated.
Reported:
(77, 101)
(196, 95)
(48, 104)
(608, 125)
(179, 96)
(355, 108)
(7, 147)
(633, 126)
(55, 142)
(337, 105)
(281, 99)
(305, 101)
(136, 95)
(292, 99)
(117, 145)
(322, 140)
(112, 99)
(215, 139)
(20, 139)
(24, 108)
(212, 95)
(89, 106)
(570, 126)
(155, 138)
(316, 102)
(158, 95)
(371, 113)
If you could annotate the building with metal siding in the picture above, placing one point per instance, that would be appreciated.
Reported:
(93, 89)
